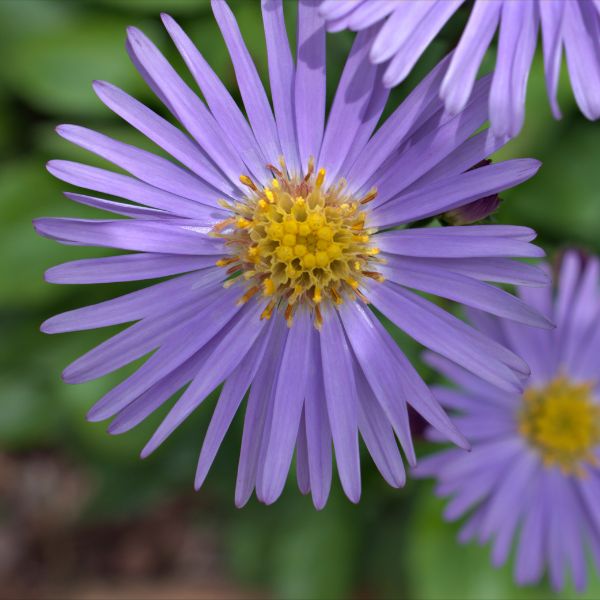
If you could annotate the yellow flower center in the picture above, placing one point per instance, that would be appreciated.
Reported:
(299, 242)
(562, 422)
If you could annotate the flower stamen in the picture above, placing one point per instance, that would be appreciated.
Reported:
(300, 241)
(562, 422)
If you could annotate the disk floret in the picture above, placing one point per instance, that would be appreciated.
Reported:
(562, 422)
(299, 242)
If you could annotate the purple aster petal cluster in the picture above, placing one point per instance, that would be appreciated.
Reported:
(405, 29)
(532, 479)
(276, 232)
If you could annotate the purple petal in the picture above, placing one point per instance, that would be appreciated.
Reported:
(168, 237)
(137, 340)
(302, 470)
(282, 73)
(287, 407)
(349, 107)
(460, 77)
(459, 242)
(581, 30)
(431, 149)
(472, 384)
(318, 431)
(517, 41)
(256, 421)
(249, 83)
(393, 379)
(342, 403)
(119, 208)
(309, 95)
(471, 152)
(551, 17)
(182, 343)
(498, 270)
(127, 267)
(390, 135)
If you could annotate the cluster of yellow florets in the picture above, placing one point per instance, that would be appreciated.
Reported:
(562, 422)
(299, 242)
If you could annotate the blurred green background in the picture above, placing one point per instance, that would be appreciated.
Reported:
(80, 515)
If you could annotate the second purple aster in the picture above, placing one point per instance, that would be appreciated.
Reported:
(532, 479)
(280, 231)
(406, 27)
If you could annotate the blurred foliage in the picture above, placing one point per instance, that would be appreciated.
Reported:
(394, 544)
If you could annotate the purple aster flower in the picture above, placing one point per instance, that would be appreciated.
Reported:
(532, 478)
(280, 230)
(405, 28)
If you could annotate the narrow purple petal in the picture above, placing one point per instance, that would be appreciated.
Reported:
(458, 81)
(318, 431)
(392, 378)
(551, 16)
(517, 41)
(349, 107)
(127, 267)
(282, 73)
(251, 88)
(287, 408)
(302, 470)
(581, 29)
(310, 88)
(342, 403)
(459, 242)
(256, 425)
(390, 135)
(135, 341)
(419, 36)
(119, 208)
(498, 270)
(167, 237)
(415, 161)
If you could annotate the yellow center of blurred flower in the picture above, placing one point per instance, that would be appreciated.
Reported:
(299, 242)
(562, 422)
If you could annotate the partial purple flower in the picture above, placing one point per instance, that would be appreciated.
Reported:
(405, 28)
(532, 479)
(281, 231)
